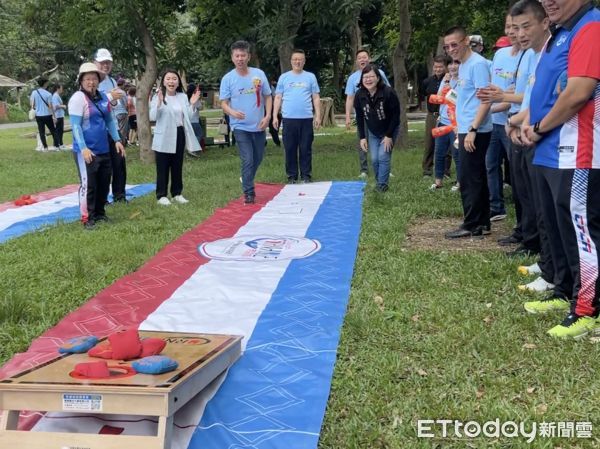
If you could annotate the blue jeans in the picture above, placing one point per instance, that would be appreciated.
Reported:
(444, 145)
(380, 159)
(251, 146)
(497, 151)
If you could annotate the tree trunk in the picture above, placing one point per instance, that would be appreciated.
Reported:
(292, 15)
(355, 35)
(400, 74)
(144, 88)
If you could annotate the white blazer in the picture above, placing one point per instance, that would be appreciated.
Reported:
(165, 131)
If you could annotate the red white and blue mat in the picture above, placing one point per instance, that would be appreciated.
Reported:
(50, 208)
(278, 273)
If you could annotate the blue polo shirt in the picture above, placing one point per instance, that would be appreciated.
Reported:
(57, 101)
(522, 79)
(297, 90)
(573, 51)
(503, 71)
(473, 74)
(247, 94)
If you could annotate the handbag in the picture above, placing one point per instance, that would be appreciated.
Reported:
(32, 114)
(223, 128)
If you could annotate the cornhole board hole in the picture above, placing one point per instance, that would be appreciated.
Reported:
(50, 387)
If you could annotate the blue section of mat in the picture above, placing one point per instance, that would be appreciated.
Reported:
(275, 395)
(65, 215)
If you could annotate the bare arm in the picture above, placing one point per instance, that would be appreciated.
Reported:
(349, 106)
(316, 99)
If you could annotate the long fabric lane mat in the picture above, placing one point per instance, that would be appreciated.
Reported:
(49, 208)
(278, 273)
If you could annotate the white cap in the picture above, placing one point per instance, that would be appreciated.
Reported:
(476, 39)
(102, 54)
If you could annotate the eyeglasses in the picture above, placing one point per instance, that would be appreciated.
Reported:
(369, 77)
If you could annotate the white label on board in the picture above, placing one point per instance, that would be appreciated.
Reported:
(81, 402)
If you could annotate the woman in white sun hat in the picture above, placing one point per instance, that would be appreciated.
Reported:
(91, 118)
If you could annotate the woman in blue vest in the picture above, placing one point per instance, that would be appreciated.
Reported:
(91, 118)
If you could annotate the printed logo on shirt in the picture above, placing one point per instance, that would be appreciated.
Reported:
(561, 41)
(297, 84)
(505, 75)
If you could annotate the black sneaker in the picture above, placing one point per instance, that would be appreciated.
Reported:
(89, 225)
(306, 180)
(522, 251)
(509, 240)
(458, 234)
(382, 188)
(292, 180)
(482, 230)
(497, 216)
(249, 199)
(103, 218)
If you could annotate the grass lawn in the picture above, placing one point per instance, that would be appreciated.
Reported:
(428, 334)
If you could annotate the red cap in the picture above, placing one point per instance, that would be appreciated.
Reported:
(503, 41)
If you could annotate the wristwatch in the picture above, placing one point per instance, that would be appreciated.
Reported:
(473, 130)
(536, 129)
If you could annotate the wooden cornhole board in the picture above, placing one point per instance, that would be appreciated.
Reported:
(49, 387)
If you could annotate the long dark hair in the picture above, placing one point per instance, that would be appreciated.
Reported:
(371, 67)
(162, 83)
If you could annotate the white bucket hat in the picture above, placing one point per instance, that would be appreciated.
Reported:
(102, 54)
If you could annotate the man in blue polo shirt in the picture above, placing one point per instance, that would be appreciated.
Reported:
(299, 92)
(564, 110)
(362, 59)
(474, 131)
(246, 98)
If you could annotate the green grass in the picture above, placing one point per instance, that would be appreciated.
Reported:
(447, 339)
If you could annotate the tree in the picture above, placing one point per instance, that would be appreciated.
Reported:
(89, 24)
(400, 74)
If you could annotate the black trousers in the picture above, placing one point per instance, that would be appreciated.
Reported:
(119, 171)
(545, 261)
(44, 121)
(60, 129)
(473, 182)
(571, 211)
(94, 179)
(298, 136)
(170, 164)
(523, 195)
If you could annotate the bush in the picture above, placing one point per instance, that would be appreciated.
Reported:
(15, 115)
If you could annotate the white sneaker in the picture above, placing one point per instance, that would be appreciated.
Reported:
(434, 187)
(455, 188)
(529, 270)
(538, 286)
(362, 175)
(164, 201)
(391, 175)
(241, 182)
(180, 199)
(52, 148)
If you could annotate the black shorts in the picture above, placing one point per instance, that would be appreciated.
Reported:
(133, 122)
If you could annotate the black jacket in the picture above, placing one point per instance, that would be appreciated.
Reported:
(380, 113)
(430, 86)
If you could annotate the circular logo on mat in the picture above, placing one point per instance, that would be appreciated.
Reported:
(260, 248)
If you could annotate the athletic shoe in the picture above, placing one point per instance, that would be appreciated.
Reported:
(547, 305)
(521, 251)
(164, 201)
(497, 216)
(509, 240)
(89, 225)
(391, 175)
(455, 188)
(363, 175)
(575, 327)
(249, 199)
(539, 285)
(434, 187)
(527, 270)
(180, 199)
(241, 182)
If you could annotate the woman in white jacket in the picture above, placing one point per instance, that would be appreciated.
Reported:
(171, 110)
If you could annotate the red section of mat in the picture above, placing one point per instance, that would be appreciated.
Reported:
(128, 301)
(44, 196)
